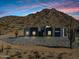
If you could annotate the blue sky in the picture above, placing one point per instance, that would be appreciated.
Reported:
(25, 7)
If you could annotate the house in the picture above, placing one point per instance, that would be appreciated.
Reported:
(46, 31)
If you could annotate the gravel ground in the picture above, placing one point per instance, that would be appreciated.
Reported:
(47, 41)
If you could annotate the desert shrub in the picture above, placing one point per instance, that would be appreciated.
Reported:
(60, 56)
(12, 56)
(8, 58)
(25, 52)
(1, 50)
(7, 51)
(50, 56)
(8, 47)
(42, 53)
(37, 55)
(34, 55)
(18, 54)
(30, 56)
(43, 58)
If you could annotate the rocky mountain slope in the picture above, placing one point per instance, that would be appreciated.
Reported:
(45, 17)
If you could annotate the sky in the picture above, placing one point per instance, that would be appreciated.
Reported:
(25, 7)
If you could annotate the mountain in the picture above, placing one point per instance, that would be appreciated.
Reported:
(45, 17)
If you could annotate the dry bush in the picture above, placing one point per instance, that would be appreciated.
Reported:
(37, 55)
(60, 56)
(8, 47)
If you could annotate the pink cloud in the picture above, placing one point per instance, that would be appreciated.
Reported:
(67, 7)
(76, 17)
(70, 10)
(63, 5)
(59, 6)
(56, 5)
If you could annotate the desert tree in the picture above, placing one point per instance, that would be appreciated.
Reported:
(71, 32)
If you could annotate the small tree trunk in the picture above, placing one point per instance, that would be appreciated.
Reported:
(71, 37)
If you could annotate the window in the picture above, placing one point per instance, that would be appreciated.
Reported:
(57, 32)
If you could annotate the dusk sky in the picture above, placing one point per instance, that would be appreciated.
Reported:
(25, 7)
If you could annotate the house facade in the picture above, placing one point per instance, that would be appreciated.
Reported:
(46, 31)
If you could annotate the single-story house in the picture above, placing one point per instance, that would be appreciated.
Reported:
(46, 31)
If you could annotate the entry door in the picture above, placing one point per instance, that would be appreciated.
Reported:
(49, 33)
